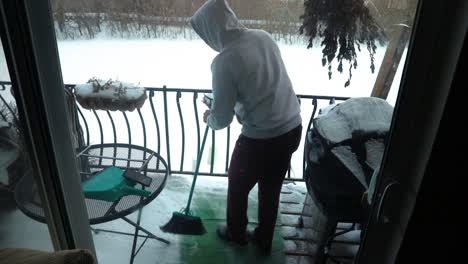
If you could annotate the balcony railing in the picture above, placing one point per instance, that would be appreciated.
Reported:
(170, 123)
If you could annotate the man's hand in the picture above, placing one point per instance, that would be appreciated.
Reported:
(205, 115)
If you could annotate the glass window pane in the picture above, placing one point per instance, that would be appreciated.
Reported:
(18, 191)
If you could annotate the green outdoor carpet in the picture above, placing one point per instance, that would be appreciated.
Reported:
(210, 205)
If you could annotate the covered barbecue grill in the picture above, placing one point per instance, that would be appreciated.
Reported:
(343, 150)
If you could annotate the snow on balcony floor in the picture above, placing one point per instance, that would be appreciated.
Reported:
(209, 203)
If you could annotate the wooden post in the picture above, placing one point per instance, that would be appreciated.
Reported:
(396, 17)
(398, 39)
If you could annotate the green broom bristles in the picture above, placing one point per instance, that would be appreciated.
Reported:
(185, 224)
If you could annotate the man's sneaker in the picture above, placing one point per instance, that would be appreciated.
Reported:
(224, 234)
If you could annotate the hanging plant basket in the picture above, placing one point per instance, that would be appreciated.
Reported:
(98, 94)
(343, 26)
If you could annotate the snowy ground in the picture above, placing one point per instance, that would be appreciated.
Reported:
(186, 64)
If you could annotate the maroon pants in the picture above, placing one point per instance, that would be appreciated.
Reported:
(262, 161)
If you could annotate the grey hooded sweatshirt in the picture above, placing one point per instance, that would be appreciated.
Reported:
(249, 76)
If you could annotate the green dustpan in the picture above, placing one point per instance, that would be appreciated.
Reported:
(110, 185)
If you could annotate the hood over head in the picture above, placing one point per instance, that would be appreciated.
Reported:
(216, 24)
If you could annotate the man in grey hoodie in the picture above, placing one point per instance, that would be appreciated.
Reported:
(250, 81)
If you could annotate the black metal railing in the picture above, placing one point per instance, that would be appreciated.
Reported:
(171, 125)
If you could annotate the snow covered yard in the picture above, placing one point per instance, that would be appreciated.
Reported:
(185, 63)
(182, 63)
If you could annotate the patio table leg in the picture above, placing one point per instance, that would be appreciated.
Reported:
(144, 230)
(135, 237)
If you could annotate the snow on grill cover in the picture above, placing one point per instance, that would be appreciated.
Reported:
(98, 94)
(344, 149)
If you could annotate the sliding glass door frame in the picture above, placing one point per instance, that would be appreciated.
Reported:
(28, 37)
(433, 55)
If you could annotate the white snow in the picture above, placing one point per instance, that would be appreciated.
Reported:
(347, 118)
(116, 90)
(181, 63)
(186, 64)
(147, 62)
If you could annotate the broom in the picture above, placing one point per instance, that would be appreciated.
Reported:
(185, 222)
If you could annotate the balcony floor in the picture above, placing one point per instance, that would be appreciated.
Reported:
(209, 203)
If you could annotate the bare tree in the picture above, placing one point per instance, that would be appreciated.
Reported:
(153, 18)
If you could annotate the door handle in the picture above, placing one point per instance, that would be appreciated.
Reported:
(383, 201)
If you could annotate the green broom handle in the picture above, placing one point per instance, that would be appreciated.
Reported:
(187, 208)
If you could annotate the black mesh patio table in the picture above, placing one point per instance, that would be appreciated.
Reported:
(93, 159)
